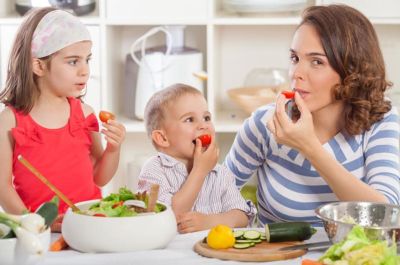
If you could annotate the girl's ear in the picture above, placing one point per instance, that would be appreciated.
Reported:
(38, 66)
(159, 138)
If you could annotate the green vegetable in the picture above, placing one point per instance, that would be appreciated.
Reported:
(288, 231)
(356, 249)
(252, 234)
(242, 245)
(49, 211)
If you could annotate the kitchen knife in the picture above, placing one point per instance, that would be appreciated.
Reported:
(309, 246)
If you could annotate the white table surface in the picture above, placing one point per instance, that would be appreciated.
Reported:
(179, 251)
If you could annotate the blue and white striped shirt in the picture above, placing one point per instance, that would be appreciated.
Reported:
(289, 188)
(218, 193)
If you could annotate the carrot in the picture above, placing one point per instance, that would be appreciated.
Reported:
(59, 244)
(310, 262)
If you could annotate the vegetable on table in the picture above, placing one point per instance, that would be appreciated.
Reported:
(220, 237)
(105, 116)
(59, 244)
(26, 227)
(288, 231)
(310, 262)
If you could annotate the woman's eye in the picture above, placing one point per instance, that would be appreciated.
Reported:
(316, 62)
(294, 58)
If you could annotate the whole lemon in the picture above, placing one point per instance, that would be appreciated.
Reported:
(220, 237)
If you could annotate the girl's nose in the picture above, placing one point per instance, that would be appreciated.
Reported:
(84, 70)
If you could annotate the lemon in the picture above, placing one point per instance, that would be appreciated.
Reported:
(220, 237)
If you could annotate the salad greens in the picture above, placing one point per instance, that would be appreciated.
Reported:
(113, 204)
(357, 249)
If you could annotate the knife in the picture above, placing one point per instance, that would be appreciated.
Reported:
(309, 246)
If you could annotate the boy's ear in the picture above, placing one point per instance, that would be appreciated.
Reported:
(38, 66)
(159, 138)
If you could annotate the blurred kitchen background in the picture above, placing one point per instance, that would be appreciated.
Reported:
(234, 51)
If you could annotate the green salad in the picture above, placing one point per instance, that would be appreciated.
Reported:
(357, 249)
(113, 205)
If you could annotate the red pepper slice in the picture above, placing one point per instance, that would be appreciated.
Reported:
(288, 94)
(117, 204)
(99, 215)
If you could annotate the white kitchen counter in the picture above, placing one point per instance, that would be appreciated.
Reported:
(179, 251)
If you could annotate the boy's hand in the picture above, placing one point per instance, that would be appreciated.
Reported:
(114, 134)
(204, 160)
(192, 222)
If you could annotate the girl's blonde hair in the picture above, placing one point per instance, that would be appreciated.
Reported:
(21, 88)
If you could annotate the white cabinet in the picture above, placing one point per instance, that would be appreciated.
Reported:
(232, 45)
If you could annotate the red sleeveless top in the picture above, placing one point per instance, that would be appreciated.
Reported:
(62, 155)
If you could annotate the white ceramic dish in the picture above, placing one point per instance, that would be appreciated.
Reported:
(11, 251)
(117, 234)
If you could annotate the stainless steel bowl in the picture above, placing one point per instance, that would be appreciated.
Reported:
(380, 221)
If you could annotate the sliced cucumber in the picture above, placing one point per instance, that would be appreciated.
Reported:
(241, 241)
(238, 233)
(288, 231)
(242, 245)
(252, 234)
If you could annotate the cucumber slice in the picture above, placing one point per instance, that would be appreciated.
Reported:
(242, 241)
(238, 233)
(257, 241)
(242, 245)
(252, 234)
(289, 231)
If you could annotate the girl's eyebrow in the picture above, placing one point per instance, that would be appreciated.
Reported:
(76, 56)
(310, 54)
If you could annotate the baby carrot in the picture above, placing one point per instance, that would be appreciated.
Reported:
(59, 244)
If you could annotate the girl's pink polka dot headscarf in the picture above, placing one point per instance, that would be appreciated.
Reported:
(55, 31)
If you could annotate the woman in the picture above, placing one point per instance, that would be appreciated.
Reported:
(341, 143)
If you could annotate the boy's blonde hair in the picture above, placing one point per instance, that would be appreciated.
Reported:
(154, 112)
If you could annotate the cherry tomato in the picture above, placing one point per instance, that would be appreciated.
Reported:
(99, 215)
(288, 94)
(105, 116)
(205, 139)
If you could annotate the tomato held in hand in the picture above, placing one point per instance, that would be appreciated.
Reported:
(105, 116)
(205, 139)
(288, 94)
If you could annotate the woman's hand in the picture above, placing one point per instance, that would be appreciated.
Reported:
(205, 158)
(299, 134)
(114, 134)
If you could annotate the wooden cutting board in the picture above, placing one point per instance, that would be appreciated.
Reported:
(260, 252)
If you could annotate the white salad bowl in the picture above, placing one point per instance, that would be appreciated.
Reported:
(12, 252)
(87, 233)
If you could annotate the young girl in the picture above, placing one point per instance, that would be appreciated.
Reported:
(45, 122)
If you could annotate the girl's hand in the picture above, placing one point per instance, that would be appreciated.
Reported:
(299, 134)
(192, 222)
(114, 134)
(205, 159)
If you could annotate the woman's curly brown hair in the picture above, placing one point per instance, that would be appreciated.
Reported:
(352, 48)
